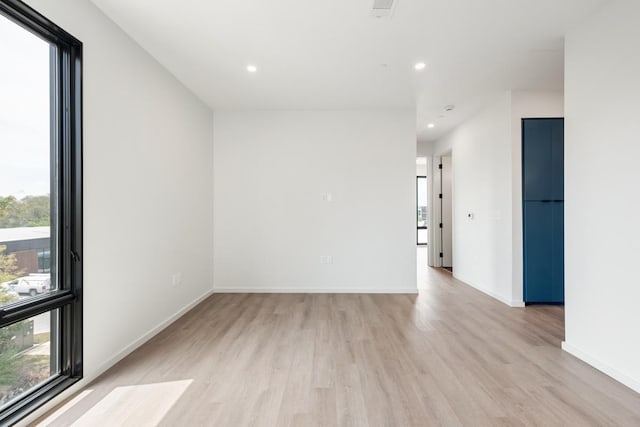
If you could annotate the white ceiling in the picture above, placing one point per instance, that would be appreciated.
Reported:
(332, 54)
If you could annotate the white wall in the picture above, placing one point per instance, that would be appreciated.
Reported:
(421, 169)
(602, 233)
(424, 148)
(271, 224)
(148, 182)
(481, 154)
(525, 105)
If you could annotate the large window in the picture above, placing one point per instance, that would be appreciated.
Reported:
(40, 210)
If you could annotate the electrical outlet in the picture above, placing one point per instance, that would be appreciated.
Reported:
(176, 279)
(326, 259)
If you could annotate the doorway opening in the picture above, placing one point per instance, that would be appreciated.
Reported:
(422, 216)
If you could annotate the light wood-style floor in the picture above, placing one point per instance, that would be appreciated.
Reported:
(448, 356)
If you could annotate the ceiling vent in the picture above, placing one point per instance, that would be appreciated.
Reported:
(383, 8)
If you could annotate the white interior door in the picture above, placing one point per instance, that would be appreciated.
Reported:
(447, 212)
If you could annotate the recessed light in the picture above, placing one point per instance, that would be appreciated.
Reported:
(252, 68)
(420, 66)
(431, 125)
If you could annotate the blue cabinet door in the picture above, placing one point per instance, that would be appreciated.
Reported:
(537, 179)
(538, 257)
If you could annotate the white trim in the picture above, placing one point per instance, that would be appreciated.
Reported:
(632, 383)
(315, 291)
(501, 298)
(111, 362)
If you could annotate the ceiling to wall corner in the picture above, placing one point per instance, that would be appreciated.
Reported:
(338, 54)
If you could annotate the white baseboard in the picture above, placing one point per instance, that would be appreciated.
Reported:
(632, 383)
(501, 298)
(315, 291)
(112, 361)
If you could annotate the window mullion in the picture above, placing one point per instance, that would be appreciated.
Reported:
(32, 307)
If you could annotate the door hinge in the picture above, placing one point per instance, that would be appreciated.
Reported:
(441, 255)
(440, 166)
(440, 195)
(440, 225)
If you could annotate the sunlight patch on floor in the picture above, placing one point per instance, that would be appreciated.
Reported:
(136, 405)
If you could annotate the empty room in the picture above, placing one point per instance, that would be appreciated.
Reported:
(338, 213)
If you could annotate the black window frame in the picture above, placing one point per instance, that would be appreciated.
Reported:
(66, 219)
(418, 228)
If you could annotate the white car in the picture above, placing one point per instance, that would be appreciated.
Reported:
(32, 285)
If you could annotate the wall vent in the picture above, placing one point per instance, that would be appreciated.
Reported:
(383, 8)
